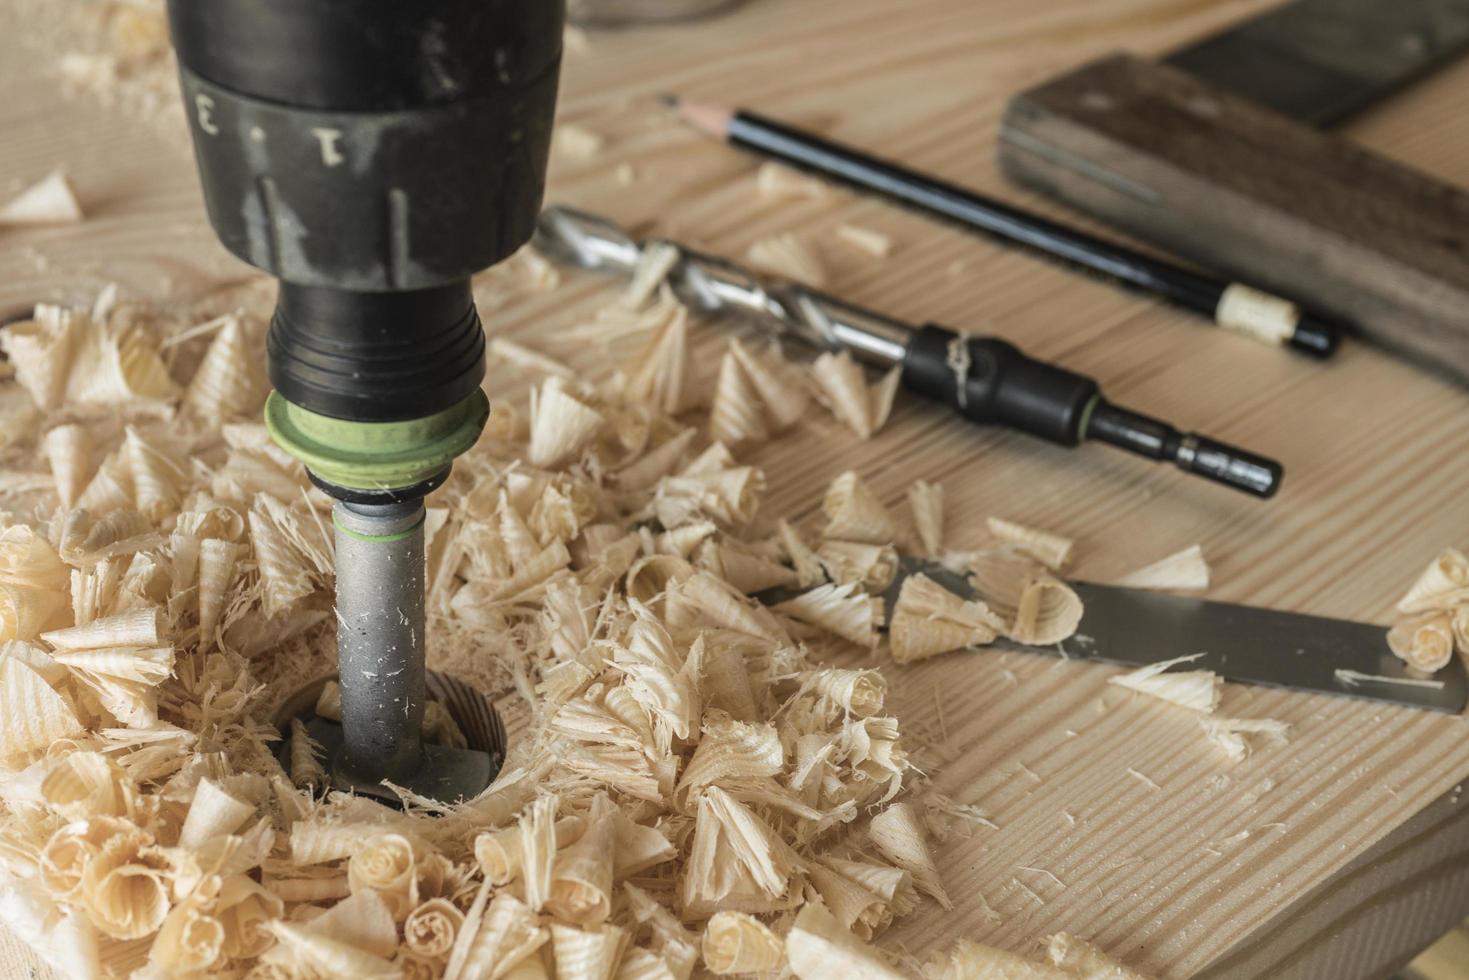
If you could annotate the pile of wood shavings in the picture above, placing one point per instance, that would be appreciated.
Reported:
(688, 785)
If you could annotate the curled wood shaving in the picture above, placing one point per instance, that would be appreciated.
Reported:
(1425, 642)
(1051, 550)
(754, 397)
(561, 426)
(819, 948)
(779, 183)
(1067, 958)
(843, 610)
(1185, 571)
(1443, 585)
(853, 513)
(1198, 690)
(928, 620)
(738, 943)
(49, 201)
(1041, 610)
(871, 566)
(899, 834)
(787, 256)
(577, 142)
(661, 374)
(656, 262)
(519, 355)
(68, 449)
(926, 504)
(841, 385)
(1228, 733)
(875, 243)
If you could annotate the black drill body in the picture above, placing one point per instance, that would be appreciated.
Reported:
(372, 155)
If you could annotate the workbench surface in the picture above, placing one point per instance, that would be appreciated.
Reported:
(1339, 854)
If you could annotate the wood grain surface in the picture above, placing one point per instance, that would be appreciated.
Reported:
(1117, 820)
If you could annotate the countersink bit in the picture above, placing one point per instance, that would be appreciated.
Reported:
(985, 379)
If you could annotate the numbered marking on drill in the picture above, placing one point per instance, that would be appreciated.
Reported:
(204, 112)
(330, 140)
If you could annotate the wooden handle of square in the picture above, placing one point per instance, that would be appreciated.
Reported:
(1245, 191)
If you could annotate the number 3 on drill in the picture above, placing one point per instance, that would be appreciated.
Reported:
(204, 111)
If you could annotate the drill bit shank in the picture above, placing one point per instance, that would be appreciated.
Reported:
(380, 628)
(985, 379)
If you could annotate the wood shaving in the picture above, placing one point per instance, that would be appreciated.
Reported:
(754, 397)
(1229, 733)
(778, 182)
(875, 243)
(1051, 550)
(49, 201)
(843, 610)
(1040, 610)
(1423, 642)
(1067, 958)
(654, 264)
(819, 948)
(1434, 617)
(870, 565)
(68, 450)
(734, 942)
(928, 620)
(898, 833)
(504, 349)
(1184, 571)
(1443, 585)
(926, 505)
(787, 256)
(577, 142)
(841, 385)
(1198, 690)
(1142, 778)
(853, 513)
(561, 426)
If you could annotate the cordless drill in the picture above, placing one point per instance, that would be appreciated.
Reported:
(372, 155)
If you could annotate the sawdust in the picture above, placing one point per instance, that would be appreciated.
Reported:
(167, 576)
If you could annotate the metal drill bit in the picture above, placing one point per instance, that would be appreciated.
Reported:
(997, 383)
(712, 284)
(380, 631)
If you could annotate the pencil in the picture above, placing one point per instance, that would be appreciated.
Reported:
(1233, 305)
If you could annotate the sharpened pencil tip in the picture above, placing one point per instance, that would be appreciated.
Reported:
(711, 119)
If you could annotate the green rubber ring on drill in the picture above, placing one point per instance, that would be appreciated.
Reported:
(376, 455)
(376, 538)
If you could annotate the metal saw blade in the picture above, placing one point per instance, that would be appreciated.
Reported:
(1322, 60)
(1241, 643)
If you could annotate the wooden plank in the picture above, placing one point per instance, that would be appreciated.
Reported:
(1377, 454)
(1206, 174)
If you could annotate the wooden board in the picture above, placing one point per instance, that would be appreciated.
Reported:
(1188, 166)
(1304, 860)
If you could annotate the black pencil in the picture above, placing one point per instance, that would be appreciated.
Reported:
(1233, 305)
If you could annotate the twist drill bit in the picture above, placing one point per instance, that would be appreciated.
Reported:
(985, 379)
